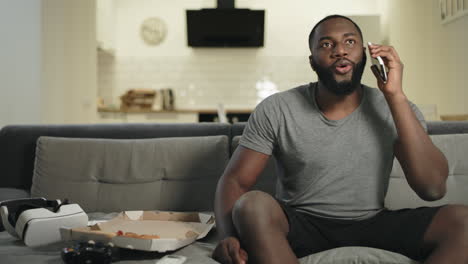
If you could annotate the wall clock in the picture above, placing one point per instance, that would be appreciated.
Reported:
(153, 31)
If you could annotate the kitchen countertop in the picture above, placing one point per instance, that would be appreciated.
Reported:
(175, 111)
(461, 117)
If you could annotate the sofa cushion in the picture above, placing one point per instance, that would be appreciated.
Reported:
(107, 175)
(455, 149)
(361, 255)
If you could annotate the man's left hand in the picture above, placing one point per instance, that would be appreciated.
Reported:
(393, 87)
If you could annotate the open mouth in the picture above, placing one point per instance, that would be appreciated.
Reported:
(343, 67)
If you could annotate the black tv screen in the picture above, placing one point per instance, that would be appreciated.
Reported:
(225, 28)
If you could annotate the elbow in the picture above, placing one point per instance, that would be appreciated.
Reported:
(434, 188)
(432, 196)
(433, 193)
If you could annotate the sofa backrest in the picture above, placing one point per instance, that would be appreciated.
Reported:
(455, 149)
(111, 175)
(451, 137)
(447, 127)
(18, 142)
(433, 128)
(18, 154)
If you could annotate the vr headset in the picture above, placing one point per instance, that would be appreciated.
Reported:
(37, 221)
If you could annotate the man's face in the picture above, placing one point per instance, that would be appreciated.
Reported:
(338, 56)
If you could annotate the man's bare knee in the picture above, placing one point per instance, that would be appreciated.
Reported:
(258, 208)
(450, 223)
(459, 222)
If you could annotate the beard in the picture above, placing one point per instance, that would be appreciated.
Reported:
(325, 75)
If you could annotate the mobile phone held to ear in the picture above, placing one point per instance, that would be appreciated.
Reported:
(378, 64)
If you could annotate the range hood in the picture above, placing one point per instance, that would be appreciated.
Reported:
(225, 26)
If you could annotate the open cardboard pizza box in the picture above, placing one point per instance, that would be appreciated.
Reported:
(152, 231)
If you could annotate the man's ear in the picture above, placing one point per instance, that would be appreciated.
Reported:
(311, 62)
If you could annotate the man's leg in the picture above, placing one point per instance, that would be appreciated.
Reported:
(263, 227)
(448, 236)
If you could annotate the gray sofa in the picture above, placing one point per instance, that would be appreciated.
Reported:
(114, 167)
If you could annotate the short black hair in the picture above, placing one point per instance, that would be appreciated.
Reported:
(311, 35)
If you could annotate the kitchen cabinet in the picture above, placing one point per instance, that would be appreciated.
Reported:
(105, 26)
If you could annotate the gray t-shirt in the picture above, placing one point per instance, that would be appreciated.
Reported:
(335, 169)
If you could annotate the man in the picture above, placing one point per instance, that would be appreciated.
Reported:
(334, 141)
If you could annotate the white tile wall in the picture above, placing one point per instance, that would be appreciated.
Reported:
(203, 80)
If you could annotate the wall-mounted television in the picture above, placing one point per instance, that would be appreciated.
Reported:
(225, 27)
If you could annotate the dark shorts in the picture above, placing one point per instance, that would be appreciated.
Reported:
(400, 231)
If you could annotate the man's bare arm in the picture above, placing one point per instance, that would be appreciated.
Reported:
(240, 175)
(424, 165)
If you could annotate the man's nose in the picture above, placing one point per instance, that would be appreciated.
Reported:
(339, 51)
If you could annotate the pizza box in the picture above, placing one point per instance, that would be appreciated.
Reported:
(146, 230)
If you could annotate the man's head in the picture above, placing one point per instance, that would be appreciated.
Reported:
(337, 54)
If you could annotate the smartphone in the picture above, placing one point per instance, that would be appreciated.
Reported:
(378, 64)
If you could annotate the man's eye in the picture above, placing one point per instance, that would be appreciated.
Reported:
(350, 41)
(326, 45)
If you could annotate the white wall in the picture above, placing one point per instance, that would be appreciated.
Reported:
(287, 24)
(454, 65)
(48, 55)
(212, 75)
(435, 55)
(48, 61)
(20, 63)
(69, 62)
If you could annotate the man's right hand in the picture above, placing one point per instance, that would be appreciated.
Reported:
(228, 251)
